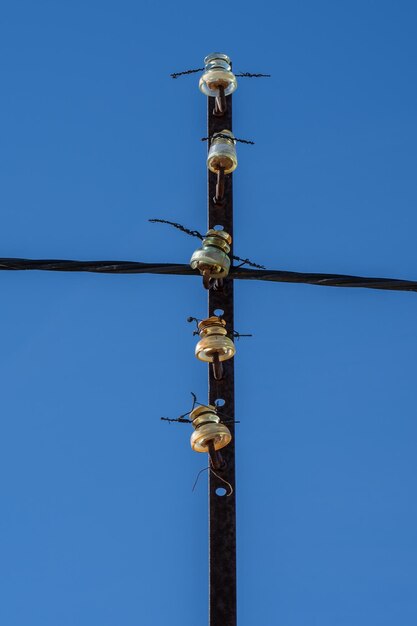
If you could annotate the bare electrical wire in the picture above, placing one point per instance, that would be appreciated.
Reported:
(180, 420)
(201, 69)
(247, 262)
(187, 231)
(195, 233)
(222, 136)
(176, 74)
(249, 75)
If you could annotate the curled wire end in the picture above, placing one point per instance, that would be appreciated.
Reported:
(230, 490)
(223, 481)
(196, 320)
(194, 397)
(198, 476)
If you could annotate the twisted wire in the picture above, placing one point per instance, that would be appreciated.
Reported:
(195, 233)
(249, 75)
(176, 74)
(251, 143)
(187, 231)
(201, 69)
(181, 269)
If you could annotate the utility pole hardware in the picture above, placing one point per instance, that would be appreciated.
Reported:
(222, 516)
(212, 434)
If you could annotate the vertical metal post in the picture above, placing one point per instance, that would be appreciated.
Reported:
(222, 508)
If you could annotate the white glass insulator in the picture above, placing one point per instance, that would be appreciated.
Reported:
(212, 258)
(222, 155)
(214, 78)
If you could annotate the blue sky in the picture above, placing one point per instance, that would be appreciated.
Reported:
(99, 524)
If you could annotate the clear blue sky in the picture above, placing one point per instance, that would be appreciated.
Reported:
(98, 523)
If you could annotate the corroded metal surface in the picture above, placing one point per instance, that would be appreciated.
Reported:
(222, 515)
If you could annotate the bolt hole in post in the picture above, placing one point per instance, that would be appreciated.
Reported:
(219, 402)
(221, 491)
(218, 312)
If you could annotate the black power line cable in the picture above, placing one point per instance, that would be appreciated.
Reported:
(180, 269)
(100, 267)
(325, 280)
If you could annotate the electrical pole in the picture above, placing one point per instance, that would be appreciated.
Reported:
(222, 508)
(217, 78)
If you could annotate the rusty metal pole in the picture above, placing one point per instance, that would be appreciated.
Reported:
(222, 508)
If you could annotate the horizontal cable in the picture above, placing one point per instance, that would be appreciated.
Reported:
(325, 280)
(100, 267)
(180, 269)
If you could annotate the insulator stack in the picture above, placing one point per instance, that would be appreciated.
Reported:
(208, 429)
(214, 346)
(222, 160)
(218, 80)
(212, 258)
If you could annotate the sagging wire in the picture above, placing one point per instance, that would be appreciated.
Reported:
(196, 233)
